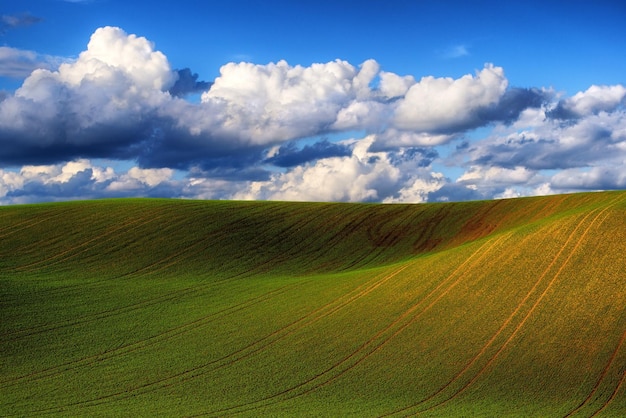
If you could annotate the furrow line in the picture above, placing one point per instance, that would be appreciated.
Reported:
(136, 223)
(153, 339)
(347, 229)
(28, 332)
(220, 232)
(124, 309)
(221, 362)
(401, 328)
(272, 398)
(613, 395)
(473, 360)
(389, 240)
(301, 223)
(533, 307)
(8, 230)
(127, 308)
(171, 296)
(601, 378)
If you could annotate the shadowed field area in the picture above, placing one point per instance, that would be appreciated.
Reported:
(194, 308)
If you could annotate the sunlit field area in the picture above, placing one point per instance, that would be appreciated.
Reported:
(142, 307)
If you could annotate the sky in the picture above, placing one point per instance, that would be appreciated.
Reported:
(362, 101)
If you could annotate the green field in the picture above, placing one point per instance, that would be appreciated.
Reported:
(142, 307)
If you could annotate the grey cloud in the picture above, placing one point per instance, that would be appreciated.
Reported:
(17, 63)
(216, 162)
(512, 103)
(233, 171)
(289, 155)
(452, 192)
(414, 156)
(563, 112)
(80, 184)
(80, 179)
(41, 134)
(590, 102)
(15, 21)
(533, 153)
(579, 145)
(507, 110)
(596, 178)
(169, 145)
(187, 83)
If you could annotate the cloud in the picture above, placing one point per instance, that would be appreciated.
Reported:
(418, 190)
(72, 180)
(394, 86)
(403, 175)
(496, 176)
(17, 63)
(393, 139)
(490, 181)
(121, 99)
(362, 176)
(370, 115)
(551, 145)
(455, 51)
(592, 101)
(137, 179)
(111, 52)
(608, 177)
(454, 192)
(15, 21)
(542, 154)
(81, 179)
(268, 104)
(96, 106)
(261, 130)
(289, 155)
(187, 83)
(446, 105)
(512, 103)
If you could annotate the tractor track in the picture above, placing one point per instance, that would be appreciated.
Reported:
(242, 353)
(395, 327)
(599, 381)
(153, 339)
(598, 213)
(162, 264)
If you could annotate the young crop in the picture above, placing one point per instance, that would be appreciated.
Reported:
(163, 307)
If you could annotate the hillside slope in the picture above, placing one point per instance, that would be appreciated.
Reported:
(508, 307)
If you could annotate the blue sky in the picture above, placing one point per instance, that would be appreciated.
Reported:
(392, 101)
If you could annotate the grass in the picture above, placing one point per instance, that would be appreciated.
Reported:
(159, 307)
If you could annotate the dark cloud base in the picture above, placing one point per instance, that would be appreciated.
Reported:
(290, 155)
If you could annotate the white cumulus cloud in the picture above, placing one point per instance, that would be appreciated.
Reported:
(591, 101)
(278, 102)
(441, 105)
(361, 176)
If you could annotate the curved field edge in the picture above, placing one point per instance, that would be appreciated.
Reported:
(147, 307)
(134, 235)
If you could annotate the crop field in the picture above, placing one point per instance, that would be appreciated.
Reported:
(150, 307)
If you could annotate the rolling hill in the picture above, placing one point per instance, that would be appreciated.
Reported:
(215, 308)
